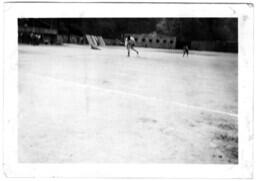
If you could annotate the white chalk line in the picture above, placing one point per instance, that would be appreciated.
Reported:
(71, 83)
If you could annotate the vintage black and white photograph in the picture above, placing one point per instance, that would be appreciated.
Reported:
(141, 90)
(128, 90)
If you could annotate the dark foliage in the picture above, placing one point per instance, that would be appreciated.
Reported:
(185, 29)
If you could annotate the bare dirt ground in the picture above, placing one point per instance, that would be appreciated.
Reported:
(83, 105)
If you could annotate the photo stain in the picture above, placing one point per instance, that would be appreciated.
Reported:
(148, 120)
(105, 82)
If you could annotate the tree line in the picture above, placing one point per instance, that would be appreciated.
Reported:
(185, 29)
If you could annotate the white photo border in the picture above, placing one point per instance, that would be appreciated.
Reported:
(242, 11)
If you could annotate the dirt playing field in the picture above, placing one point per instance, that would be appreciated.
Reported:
(83, 105)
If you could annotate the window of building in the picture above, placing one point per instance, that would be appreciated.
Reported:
(143, 40)
(157, 40)
(136, 39)
(164, 41)
(150, 40)
(171, 42)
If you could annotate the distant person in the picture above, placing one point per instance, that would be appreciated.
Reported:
(32, 38)
(185, 50)
(130, 43)
(37, 39)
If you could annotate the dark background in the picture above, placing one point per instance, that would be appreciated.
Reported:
(223, 30)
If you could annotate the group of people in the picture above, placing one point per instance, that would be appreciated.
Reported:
(30, 38)
(130, 44)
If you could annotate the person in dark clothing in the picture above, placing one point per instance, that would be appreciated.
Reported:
(185, 51)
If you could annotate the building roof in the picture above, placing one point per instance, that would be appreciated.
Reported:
(153, 35)
(38, 30)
